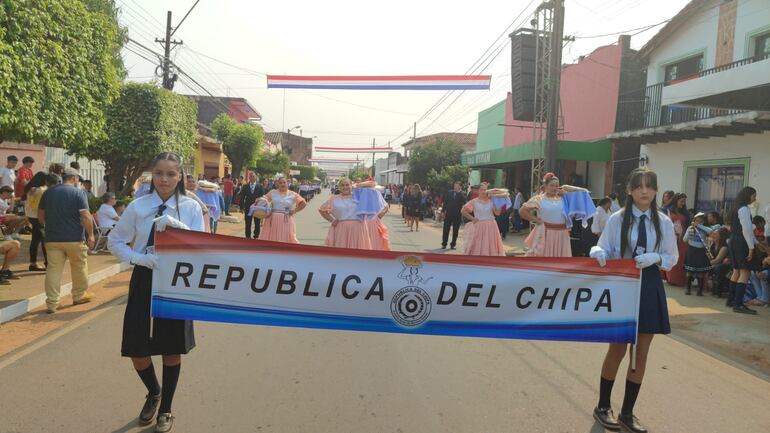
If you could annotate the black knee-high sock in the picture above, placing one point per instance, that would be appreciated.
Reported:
(731, 291)
(170, 379)
(629, 400)
(150, 380)
(605, 392)
(740, 291)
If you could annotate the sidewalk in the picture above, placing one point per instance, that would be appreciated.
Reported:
(28, 292)
(702, 322)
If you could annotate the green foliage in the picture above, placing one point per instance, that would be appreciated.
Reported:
(241, 142)
(321, 175)
(306, 172)
(360, 173)
(142, 122)
(269, 164)
(443, 180)
(59, 68)
(95, 202)
(435, 156)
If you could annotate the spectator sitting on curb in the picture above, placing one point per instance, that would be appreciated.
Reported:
(12, 222)
(9, 249)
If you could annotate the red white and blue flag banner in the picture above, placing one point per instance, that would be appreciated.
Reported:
(352, 149)
(381, 82)
(226, 279)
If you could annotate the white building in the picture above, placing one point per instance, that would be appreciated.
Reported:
(704, 117)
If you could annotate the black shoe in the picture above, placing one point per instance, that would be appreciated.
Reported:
(165, 423)
(606, 418)
(453, 247)
(8, 275)
(729, 303)
(631, 423)
(151, 404)
(743, 309)
(443, 246)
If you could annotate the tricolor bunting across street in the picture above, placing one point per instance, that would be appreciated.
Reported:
(352, 149)
(226, 279)
(381, 82)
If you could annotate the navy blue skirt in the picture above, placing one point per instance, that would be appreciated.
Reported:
(653, 310)
(169, 337)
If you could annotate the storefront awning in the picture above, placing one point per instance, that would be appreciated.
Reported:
(600, 150)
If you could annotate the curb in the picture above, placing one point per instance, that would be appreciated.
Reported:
(25, 306)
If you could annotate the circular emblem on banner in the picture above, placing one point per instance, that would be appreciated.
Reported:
(410, 306)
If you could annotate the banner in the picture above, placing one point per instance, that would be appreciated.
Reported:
(227, 279)
(380, 82)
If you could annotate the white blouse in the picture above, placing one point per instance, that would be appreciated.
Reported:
(609, 241)
(552, 211)
(747, 227)
(136, 222)
(344, 209)
(282, 203)
(483, 212)
(600, 220)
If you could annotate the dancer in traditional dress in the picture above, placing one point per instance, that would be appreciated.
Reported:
(372, 207)
(481, 237)
(553, 218)
(697, 264)
(347, 229)
(279, 226)
(165, 205)
(637, 231)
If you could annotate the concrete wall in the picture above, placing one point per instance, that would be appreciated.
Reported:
(696, 36)
(668, 161)
(589, 99)
(20, 150)
(753, 16)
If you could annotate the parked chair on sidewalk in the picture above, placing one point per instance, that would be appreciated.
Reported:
(101, 234)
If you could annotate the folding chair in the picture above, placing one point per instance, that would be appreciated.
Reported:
(101, 234)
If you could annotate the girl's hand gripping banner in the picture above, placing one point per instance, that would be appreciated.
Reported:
(227, 279)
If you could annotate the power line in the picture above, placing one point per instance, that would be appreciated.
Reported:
(624, 31)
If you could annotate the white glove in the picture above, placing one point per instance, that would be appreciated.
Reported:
(600, 256)
(647, 259)
(147, 260)
(164, 221)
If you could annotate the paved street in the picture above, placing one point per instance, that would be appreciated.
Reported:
(258, 379)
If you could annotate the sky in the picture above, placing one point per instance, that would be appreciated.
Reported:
(349, 37)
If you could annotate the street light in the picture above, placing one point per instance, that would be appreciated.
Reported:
(292, 129)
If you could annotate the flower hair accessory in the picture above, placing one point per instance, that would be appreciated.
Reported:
(549, 177)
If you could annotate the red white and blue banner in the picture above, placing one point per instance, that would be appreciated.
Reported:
(381, 82)
(226, 279)
(352, 149)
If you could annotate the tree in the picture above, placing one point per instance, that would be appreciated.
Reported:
(435, 156)
(59, 68)
(306, 172)
(269, 164)
(142, 122)
(241, 142)
(443, 180)
(359, 173)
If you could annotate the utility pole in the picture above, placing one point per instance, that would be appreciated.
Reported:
(168, 77)
(373, 154)
(552, 132)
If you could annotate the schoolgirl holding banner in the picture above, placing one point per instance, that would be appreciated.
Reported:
(640, 232)
(165, 205)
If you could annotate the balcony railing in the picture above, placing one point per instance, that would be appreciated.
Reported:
(718, 69)
(649, 112)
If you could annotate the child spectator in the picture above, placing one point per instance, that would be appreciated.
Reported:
(698, 262)
(721, 261)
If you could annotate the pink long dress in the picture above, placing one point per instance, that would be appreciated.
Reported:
(280, 226)
(552, 238)
(348, 230)
(482, 238)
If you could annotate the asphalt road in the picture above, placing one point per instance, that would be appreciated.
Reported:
(259, 379)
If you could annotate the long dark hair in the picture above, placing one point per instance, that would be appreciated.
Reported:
(724, 233)
(37, 181)
(636, 179)
(176, 159)
(673, 207)
(742, 199)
